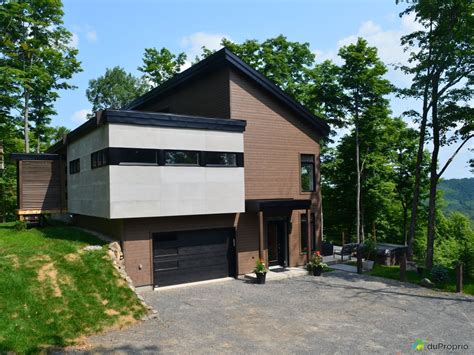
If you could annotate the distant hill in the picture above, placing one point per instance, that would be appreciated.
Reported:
(459, 195)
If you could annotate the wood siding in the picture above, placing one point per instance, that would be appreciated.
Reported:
(39, 185)
(274, 139)
(137, 243)
(112, 228)
(208, 96)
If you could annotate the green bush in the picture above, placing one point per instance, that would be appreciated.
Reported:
(20, 225)
(439, 274)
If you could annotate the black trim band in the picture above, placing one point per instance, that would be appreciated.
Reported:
(156, 157)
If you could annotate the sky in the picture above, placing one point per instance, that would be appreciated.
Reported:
(116, 32)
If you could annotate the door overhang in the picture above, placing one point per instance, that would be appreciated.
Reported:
(273, 205)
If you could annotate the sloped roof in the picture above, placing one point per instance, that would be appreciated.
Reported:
(222, 58)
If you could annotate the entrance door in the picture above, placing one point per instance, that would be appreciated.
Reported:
(277, 237)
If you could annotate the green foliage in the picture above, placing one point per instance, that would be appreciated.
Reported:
(20, 225)
(114, 89)
(54, 293)
(260, 267)
(439, 274)
(161, 65)
(454, 242)
(36, 60)
(369, 250)
(459, 196)
(316, 261)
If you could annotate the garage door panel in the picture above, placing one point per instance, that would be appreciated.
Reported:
(193, 256)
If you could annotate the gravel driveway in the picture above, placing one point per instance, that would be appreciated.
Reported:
(336, 313)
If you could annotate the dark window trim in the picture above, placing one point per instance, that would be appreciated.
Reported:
(313, 163)
(112, 157)
(75, 166)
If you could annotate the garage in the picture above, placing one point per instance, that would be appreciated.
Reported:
(190, 256)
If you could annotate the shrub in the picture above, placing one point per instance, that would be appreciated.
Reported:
(20, 225)
(439, 274)
(369, 249)
(260, 267)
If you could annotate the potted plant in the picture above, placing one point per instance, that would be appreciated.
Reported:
(261, 271)
(315, 264)
(369, 251)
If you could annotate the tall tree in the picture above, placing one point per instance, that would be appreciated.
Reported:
(114, 89)
(161, 65)
(361, 76)
(35, 52)
(441, 62)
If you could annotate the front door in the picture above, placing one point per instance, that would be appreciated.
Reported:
(277, 237)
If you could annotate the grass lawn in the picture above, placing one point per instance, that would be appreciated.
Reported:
(393, 272)
(52, 293)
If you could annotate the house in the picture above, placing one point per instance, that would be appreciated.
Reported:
(198, 178)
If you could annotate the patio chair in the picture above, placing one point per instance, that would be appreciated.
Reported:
(347, 249)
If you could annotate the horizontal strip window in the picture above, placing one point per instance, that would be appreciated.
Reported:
(74, 166)
(181, 157)
(167, 157)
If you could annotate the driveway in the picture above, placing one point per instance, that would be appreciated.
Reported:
(336, 313)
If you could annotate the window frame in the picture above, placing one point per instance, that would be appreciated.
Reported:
(198, 157)
(238, 159)
(313, 232)
(75, 166)
(313, 166)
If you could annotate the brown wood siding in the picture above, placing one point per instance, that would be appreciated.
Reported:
(110, 227)
(207, 96)
(39, 185)
(137, 242)
(274, 139)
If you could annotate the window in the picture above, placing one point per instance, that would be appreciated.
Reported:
(99, 159)
(304, 233)
(124, 156)
(74, 166)
(181, 157)
(307, 172)
(221, 159)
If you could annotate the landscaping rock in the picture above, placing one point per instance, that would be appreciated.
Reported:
(411, 266)
(92, 248)
(426, 283)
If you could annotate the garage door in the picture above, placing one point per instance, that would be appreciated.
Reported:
(190, 256)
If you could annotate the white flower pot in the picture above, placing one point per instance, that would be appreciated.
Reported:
(367, 265)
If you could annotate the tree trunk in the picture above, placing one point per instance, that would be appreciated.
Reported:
(38, 142)
(25, 119)
(433, 178)
(358, 185)
(405, 219)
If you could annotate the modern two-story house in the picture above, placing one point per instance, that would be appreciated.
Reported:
(197, 179)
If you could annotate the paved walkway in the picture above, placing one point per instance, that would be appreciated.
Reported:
(340, 312)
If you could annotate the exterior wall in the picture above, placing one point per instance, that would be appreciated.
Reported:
(208, 96)
(273, 141)
(39, 185)
(138, 244)
(88, 190)
(109, 227)
(151, 191)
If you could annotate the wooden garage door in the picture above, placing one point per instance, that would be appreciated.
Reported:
(180, 257)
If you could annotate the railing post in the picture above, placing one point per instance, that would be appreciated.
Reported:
(359, 259)
(403, 267)
(459, 278)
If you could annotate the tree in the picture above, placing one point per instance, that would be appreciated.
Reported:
(35, 52)
(361, 77)
(441, 63)
(161, 65)
(114, 89)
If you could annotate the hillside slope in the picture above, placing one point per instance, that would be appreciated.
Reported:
(52, 292)
(459, 195)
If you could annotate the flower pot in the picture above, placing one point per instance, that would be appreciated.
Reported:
(317, 271)
(261, 277)
(367, 265)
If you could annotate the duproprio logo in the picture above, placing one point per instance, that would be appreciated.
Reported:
(418, 344)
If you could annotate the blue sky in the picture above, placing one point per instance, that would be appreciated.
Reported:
(115, 32)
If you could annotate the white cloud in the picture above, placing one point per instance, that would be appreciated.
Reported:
(193, 43)
(80, 116)
(91, 36)
(74, 42)
(387, 41)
